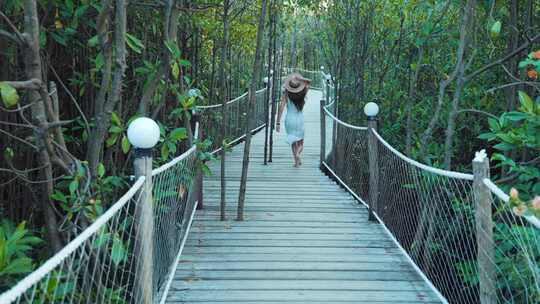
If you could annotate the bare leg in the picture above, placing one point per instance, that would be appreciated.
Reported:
(294, 153)
(300, 148)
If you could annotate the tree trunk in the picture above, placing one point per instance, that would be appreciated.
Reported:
(250, 112)
(103, 117)
(224, 98)
(411, 101)
(464, 41)
(513, 43)
(39, 100)
(170, 31)
(293, 45)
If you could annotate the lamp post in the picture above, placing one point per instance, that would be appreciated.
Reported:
(328, 78)
(143, 134)
(268, 85)
(322, 77)
(371, 110)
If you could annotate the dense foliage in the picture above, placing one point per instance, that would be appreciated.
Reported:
(74, 73)
(451, 78)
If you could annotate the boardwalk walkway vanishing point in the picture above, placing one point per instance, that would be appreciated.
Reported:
(304, 239)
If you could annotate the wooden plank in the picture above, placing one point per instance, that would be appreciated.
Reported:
(278, 229)
(283, 224)
(300, 250)
(291, 296)
(287, 243)
(290, 257)
(295, 302)
(306, 266)
(180, 285)
(288, 216)
(182, 274)
(286, 236)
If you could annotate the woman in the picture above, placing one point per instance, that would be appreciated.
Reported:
(294, 94)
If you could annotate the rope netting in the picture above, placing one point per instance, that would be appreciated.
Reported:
(124, 256)
(237, 109)
(469, 253)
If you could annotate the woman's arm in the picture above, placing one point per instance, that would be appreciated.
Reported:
(282, 105)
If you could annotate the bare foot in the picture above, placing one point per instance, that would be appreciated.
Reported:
(296, 161)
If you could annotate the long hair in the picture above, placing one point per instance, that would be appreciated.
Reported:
(299, 99)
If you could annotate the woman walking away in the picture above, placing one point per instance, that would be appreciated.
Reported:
(294, 94)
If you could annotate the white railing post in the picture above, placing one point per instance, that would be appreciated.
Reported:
(484, 229)
(371, 110)
(143, 134)
(268, 83)
(323, 134)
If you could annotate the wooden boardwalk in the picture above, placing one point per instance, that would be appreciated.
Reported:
(304, 239)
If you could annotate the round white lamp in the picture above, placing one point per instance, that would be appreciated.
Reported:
(371, 109)
(271, 72)
(143, 133)
(322, 67)
(265, 80)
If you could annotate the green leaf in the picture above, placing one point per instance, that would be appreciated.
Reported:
(523, 64)
(516, 116)
(504, 146)
(506, 137)
(59, 196)
(125, 144)
(102, 239)
(118, 251)
(184, 62)
(73, 186)
(178, 134)
(8, 153)
(101, 170)
(493, 124)
(63, 289)
(496, 29)
(99, 61)
(18, 266)
(115, 129)
(134, 43)
(173, 48)
(164, 152)
(527, 104)
(206, 170)
(487, 136)
(92, 42)
(60, 38)
(175, 69)
(112, 140)
(9, 95)
(115, 119)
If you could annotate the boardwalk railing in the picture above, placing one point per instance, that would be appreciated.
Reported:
(211, 120)
(130, 253)
(457, 229)
(104, 263)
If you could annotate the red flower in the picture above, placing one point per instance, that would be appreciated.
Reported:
(536, 55)
(532, 74)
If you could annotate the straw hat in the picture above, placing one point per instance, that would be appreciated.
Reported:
(296, 83)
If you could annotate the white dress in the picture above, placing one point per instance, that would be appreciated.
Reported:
(294, 123)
